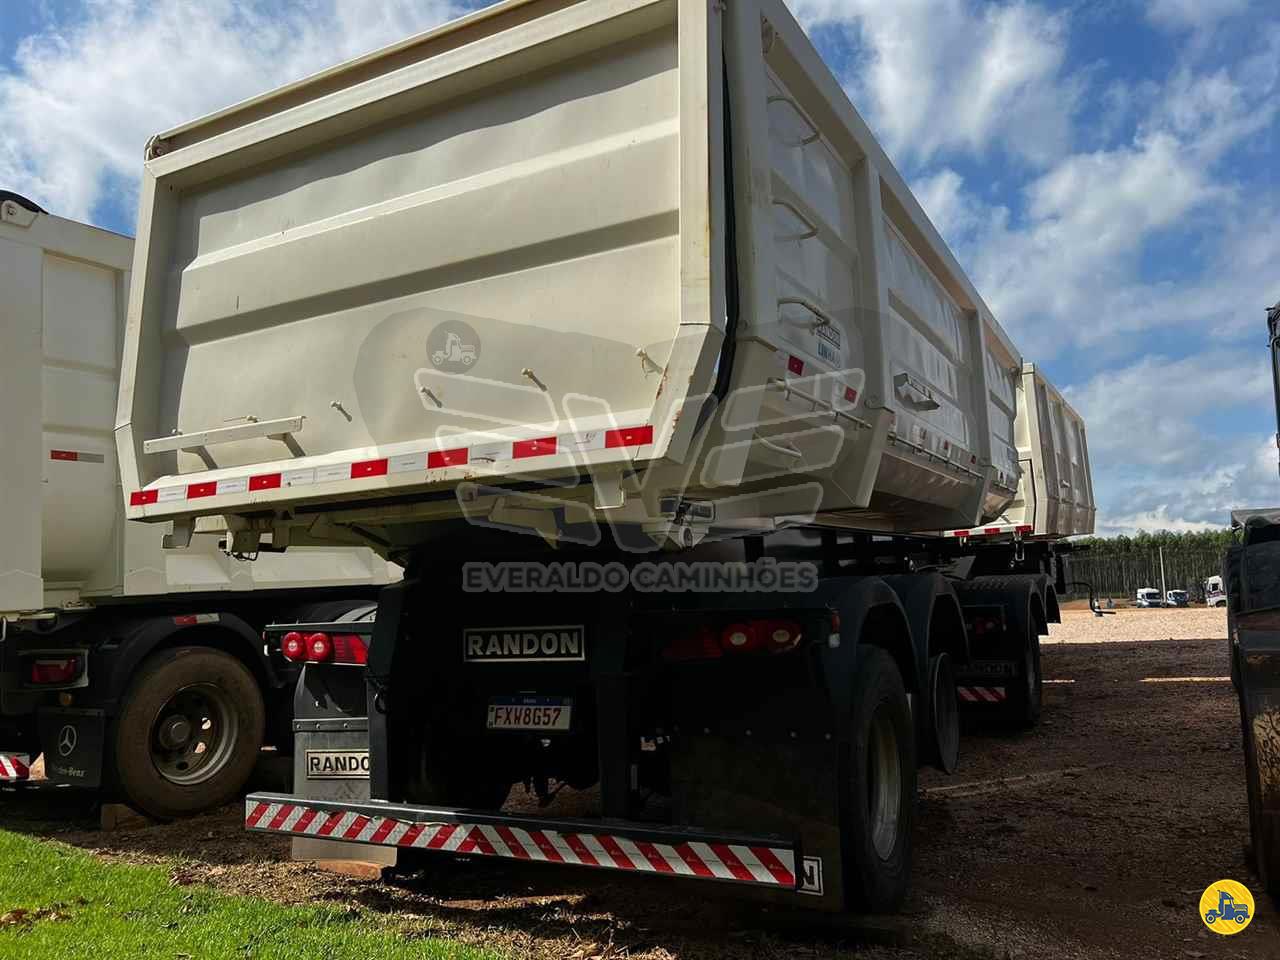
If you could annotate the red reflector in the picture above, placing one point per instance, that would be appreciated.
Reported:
(992, 530)
(959, 533)
(63, 455)
(319, 647)
(349, 648)
(1025, 528)
(630, 437)
(369, 468)
(267, 481)
(140, 498)
(795, 365)
(702, 644)
(196, 490)
(542, 447)
(293, 646)
(447, 458)
(55, 670)
(850, 395)
(186, 620)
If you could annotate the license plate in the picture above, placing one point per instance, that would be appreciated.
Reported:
(549, 714)
(337, 764)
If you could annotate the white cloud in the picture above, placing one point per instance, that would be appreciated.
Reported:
(934, 75)
(1163, 445)
(1183, 14)
(82, 98)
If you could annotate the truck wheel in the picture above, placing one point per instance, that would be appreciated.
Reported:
(943, 737)
(880, 812)
(1023, 705)
(188, 733)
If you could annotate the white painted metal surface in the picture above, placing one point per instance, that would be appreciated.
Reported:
(63, 537)
(1056, 491)
(522, 248)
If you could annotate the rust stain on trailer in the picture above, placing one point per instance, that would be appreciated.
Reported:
(1266, 746)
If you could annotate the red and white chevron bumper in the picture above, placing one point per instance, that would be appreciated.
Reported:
(637, 848)
(982, 694)
(14, 766)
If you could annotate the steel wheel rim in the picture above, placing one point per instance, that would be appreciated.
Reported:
(194, 734)
(884, 783)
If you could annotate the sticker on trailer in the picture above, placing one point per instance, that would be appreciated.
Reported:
(337, 764)
(560, 644)
(537, 714)
(811, 877)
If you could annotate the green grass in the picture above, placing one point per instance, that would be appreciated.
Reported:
(77, 906)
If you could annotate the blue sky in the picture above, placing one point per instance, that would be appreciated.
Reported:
(1105, 169)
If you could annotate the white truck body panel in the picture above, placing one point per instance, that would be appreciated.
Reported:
(1055, 494)
(502, 251)
(64, 540)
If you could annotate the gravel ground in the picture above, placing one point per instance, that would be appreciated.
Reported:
(1091, 837)
(1184, 623)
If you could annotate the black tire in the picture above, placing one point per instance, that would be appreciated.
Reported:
(1026, 691)
(942, 738)
(877, 853)
(166, 689)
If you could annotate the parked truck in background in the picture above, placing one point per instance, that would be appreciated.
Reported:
(717, 484)
(132, 668)
(1251, 578)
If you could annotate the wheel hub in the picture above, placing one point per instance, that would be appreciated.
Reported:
(195, 733)
(174, 732)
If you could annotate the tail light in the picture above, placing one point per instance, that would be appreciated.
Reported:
(742, 636)
(293, 646)
(55, 670)
(319, 647)
(350, 648)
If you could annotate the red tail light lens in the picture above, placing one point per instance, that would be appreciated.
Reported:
(55, 670)
(743, 636)
(293, 646)
(319, 647)
(350, 648)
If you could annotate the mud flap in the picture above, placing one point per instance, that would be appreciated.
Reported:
(1258, 665)
(788, 788)
(72, 742)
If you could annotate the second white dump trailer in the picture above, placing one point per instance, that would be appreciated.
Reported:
(710, 468)
(135, 670)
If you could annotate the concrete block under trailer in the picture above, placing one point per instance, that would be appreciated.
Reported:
(837, 370)
(101, 626)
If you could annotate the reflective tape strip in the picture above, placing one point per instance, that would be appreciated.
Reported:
(15, 766)
(981, 694)
(491, 452)
(1020, 529)
(77, 456)
(755, 864)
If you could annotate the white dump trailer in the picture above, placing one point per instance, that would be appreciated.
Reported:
(95, 609)
(565, 297)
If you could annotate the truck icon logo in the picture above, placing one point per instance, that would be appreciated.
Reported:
(453, 347)
(67, 738)
(1226, 907)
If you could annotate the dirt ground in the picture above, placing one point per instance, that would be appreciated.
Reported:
(1091, 837)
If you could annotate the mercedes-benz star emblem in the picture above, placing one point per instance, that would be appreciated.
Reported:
(67, 740)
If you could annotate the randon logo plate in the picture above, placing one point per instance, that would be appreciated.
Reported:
(524, 644)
